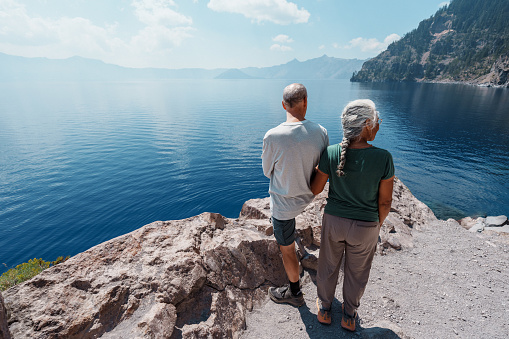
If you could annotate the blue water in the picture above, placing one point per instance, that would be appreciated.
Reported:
(81, 163)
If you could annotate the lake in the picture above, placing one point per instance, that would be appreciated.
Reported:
(81, 163)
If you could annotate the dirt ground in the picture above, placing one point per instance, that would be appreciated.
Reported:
(452, 284)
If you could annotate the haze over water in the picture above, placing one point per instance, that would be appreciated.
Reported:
(82, 163)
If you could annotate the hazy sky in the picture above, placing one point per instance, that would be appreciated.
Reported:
(206, 33)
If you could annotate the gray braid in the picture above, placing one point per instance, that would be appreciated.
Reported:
(344, 146)
(353, 119)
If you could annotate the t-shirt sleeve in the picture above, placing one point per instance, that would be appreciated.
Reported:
(267, 158)
(389, 167)
(326, 136)
(324, 164)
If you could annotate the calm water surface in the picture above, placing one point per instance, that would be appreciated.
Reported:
(81, 163)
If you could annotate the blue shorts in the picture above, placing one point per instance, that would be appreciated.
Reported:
(284, 231)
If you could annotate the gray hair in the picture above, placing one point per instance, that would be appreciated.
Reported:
(293, 94)
(353, 119)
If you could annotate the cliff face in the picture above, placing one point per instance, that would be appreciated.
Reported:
(467, 41)
(196, 277)
(4, 329)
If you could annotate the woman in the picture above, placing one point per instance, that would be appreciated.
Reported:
(361, 178)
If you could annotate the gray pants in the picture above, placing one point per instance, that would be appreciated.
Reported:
(357, 241)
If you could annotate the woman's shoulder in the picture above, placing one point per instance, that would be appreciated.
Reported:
(331, 152)
(380, 150)
(333, 148)
(381, 154)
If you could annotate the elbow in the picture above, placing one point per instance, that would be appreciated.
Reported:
(387, 203)
(316, 190)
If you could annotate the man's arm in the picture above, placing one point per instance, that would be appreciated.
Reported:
(384, 198)
(267, 162)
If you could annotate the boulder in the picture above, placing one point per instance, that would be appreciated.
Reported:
(166, 279)
(406, 214)
(4, 329)
(191, 278)
(495, 221)
(468, 222)
(498, 229)
(478, 226)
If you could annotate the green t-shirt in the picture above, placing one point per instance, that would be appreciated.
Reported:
(355, 195)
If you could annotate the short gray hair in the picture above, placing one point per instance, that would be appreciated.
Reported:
(293, 94)
(353, 119)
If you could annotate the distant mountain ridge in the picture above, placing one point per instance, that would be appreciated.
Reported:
(466, 41)
(78, 68)
(324, 67)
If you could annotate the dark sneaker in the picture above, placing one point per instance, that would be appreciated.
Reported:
(323, 314)
(348, 321)
(283, 295)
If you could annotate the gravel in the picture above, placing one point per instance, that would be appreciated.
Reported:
(452, 284)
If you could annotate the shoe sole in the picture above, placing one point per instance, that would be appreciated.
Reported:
(289, 302)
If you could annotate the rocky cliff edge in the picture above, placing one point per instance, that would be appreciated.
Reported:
(197, 277)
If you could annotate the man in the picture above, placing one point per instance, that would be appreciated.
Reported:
(290, 153)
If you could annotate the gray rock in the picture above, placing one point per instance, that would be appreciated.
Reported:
(193, 278)
(498, 229)
(468, 222)
(4, 329)
(479, 226)
(310, 262)
(256, 209)
(495, 221)
(406, 214)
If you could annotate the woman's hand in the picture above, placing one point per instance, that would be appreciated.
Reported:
(318, 181)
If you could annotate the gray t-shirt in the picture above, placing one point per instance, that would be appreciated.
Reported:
(290, 153)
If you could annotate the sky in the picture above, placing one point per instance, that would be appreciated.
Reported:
(206, 33)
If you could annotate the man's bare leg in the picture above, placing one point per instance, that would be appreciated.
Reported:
(290, 262)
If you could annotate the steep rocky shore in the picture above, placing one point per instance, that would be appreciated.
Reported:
(207, 276)
(466, 41)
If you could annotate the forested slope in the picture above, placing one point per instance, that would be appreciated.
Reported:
(466, 41)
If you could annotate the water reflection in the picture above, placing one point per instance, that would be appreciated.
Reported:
(82, 163)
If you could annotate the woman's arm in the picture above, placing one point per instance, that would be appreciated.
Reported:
(384, 198)
(318, 181)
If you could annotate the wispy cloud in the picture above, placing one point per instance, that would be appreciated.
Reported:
(165, 28)
(442, 4)
(23, 34)
(372, 44)
(280, 48)
(280, 12)
(282, 38)
(159, 13)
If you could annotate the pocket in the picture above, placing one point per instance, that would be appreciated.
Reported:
(361, 223)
